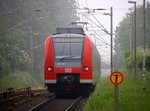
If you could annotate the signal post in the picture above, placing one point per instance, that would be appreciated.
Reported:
(116, 78)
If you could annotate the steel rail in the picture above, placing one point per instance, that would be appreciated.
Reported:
(42, 104)
(74, 104)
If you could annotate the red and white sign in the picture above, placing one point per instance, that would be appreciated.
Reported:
(68, 70)
(116, 77)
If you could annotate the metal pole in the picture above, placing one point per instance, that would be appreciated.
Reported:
(111, 35)
(116, 97)
(132, 39)
(135, 44)
(135, 74)
(143, 52)
(144, 23)
(131, 44)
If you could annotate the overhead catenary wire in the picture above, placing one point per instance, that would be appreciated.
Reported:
(101, 26)
(97, 34)
(89, 12)
(105, 58)
(85, 16)
(89, 20)
(101, 39)
(104, 51)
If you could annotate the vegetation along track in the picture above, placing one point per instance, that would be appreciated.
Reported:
(57, 104)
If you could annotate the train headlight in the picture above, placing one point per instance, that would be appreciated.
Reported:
(86, 68)
(50, 68)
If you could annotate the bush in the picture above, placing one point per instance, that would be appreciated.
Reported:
(128, 59)
(18, 79)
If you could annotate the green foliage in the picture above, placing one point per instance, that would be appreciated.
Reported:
(131, 95)
(124, 33)
(13, 56)
(4, 67)
(148, 59)
(129, 60)
(18, 79)
(102, 98)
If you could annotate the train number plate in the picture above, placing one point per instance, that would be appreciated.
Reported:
(68, 70)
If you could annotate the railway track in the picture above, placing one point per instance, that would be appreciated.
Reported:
(74, 104)
(41, 105)
(54, 104)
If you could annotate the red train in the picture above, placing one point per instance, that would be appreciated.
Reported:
(71, 62)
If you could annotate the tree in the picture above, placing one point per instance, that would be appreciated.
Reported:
(123, 35)
(24, 20)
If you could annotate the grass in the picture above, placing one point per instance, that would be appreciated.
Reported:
(18, 79)
(131, 95)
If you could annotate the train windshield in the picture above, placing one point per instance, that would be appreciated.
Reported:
(68, 51)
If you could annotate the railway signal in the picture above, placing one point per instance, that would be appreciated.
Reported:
(116, 78)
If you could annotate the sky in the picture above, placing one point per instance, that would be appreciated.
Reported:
(120, 9)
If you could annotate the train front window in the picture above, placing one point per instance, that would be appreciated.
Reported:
(68, 51)
(64, 51)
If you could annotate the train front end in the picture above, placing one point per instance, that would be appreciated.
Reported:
(68, 63)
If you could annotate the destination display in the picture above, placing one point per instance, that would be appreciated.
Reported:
(73, 39)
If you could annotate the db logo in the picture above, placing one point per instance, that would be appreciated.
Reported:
(68, 70)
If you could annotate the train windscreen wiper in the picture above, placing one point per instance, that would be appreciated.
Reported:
(68, 57)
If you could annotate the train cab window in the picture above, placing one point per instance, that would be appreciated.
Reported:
(68, 52)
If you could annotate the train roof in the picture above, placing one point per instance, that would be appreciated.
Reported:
(70, 30)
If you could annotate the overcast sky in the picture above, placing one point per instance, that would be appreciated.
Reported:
(120, 8)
